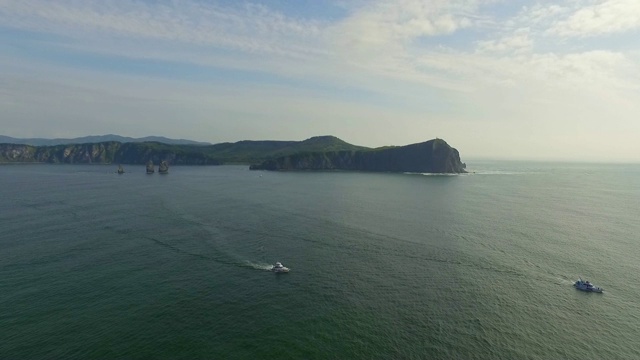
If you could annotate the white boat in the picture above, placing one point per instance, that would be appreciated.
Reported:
(587, 286)
(278, 268)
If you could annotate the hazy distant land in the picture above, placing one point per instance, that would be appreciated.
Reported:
(96, 139)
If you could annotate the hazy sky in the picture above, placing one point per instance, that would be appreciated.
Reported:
(495, 78)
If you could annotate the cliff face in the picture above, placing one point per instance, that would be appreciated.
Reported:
(433, 156)
(16, 153)
(103, 153)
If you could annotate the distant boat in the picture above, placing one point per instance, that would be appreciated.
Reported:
(163, 168)
(120, 169)
(150, 168)
(587, 286)
(278, 268)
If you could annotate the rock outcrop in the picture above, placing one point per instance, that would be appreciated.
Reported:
(433, 156)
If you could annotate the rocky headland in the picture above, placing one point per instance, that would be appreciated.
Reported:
(433, 156)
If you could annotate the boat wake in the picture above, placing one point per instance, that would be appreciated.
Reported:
(498, 172)
(219, 259)
(439, 174)
(180, 250)
(258, 266)
(431, 174)
(565, 281)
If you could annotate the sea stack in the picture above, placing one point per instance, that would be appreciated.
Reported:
(163, 168)
(150, 168)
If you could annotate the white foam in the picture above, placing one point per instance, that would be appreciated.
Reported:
(430, 174)
(258, 265)
(496, 172)
(564, 281)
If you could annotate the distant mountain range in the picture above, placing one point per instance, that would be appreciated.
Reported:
(96, 139)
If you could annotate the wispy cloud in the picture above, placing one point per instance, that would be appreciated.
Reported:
(250, 27)
(384, 22)
(602, 17)
(517, 42)
(380, 39)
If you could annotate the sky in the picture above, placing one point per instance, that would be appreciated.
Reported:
(503, 79)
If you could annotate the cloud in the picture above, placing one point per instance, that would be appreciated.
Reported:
(249, 28)
(537, 16)
(375, 44)
(383, 23)
(603, 17)
(517, 42)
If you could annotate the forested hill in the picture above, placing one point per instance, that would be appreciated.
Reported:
(242, 152)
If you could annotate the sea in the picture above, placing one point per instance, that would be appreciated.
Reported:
(96, 265)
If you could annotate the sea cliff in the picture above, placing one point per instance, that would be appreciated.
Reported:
(433, 156)
(104, 153)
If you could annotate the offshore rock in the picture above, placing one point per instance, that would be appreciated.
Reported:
(163, 168)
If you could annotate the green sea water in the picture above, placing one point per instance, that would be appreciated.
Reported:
(95, 265)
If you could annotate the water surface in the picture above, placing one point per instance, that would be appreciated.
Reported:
(476, 266)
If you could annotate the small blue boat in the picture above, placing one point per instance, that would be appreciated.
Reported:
(587, 286)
